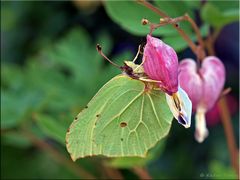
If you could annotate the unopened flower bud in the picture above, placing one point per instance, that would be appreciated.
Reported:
(161, 64)
(145, 21)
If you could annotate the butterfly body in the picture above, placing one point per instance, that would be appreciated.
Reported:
(133, 70)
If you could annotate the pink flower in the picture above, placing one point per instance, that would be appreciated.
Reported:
(203, 85)
(190, 81)
(161, 64)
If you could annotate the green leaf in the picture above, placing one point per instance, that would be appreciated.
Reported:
(51, 127)
(225, 5)
(218, 18)
(204, 30)
(123, 119)
(128, 14)
(70, 50)
(12, 77)
(32, 163)
(193, 4)
(174, 8)
(17, 107)
(220, 171)
(110, 70)
(55, 89)
(75, 54)
(177, 42)
(129, 162)
(15, 138)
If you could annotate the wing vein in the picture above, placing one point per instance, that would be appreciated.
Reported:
(154, 110)
(119, 114)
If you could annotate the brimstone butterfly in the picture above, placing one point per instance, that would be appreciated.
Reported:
(126, 117)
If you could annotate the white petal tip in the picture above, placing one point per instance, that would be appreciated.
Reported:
(201, 132)
(182, 114)
(200, 137)
(187, 126)
(184, 120)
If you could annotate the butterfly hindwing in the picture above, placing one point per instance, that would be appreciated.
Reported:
(122, 119)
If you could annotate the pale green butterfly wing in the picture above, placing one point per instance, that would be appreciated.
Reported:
(122, 119)
(130, 162)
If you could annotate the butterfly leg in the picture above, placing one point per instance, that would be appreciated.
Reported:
(160, 85)
(140, 65)
(149, 80)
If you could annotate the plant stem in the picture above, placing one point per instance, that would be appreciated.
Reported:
(225, 114)
(142, 173)
(111, 172)
(198, 33)
(228, 129)
(57, 156)
(210, 45)
(199, 51)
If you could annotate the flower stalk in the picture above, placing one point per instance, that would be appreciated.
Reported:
(225, 115)
(199, 51)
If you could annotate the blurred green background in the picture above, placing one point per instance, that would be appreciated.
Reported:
(50, 69)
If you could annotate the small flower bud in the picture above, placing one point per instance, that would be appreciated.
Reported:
(162, 20)
(145, 21)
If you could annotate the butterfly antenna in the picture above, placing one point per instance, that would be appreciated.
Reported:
(99, 49)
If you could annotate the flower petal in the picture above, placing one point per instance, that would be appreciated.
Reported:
(190, 81)
(181, 107)
(161, 64)
(213, 74)
(201, 131)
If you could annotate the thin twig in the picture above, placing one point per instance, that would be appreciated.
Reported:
(198, 51)
(164, 21)
(225, 114)
(57, 156)
(142, 173)
(111, 173)
(209, 43)
(154, 9)
(225, 92)
(197, 31)
(215, 34)
(228, 129)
